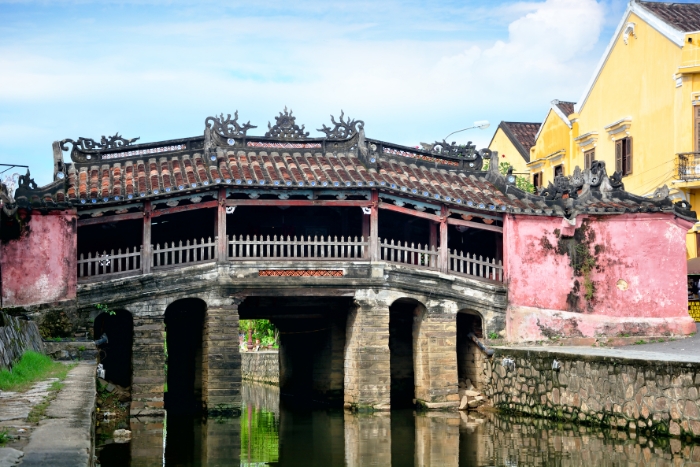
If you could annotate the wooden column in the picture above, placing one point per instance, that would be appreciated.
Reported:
(374, 228)
(433, 245)
(146, 247)
(222, 242)
(443, 257)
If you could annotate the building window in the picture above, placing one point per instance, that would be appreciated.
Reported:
(623, 156)
(537, 179)
(559, 170)
(589, 157)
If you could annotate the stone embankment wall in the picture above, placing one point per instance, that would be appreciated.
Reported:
(261, 366)
(17, 336)
(646, 396)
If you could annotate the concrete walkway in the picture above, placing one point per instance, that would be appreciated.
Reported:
(684, 350)
(687, 346)
(65, 438)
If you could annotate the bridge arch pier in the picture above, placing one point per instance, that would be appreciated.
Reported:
(216, 355)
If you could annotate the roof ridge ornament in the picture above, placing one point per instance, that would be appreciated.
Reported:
(226, 127)
(89, 144)
(285, 127)
(453, 150)
(596, 177)
(342, 129)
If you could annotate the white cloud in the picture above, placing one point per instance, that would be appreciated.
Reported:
(159, 79)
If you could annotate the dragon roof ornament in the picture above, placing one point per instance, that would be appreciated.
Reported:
(342, 129)
(227, 127)
(88, 144)
(285, 127)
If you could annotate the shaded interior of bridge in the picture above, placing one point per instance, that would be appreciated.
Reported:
(312, 342)
(184, 333)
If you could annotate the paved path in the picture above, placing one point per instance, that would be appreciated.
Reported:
(64, 439)
(685, 350)
(689, 346)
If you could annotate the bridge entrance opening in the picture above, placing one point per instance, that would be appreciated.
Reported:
(311, 344)
(184, 321)
(401, 352)
(115, 355)
(470, 359)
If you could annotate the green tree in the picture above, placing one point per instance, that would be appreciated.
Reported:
(263, 329)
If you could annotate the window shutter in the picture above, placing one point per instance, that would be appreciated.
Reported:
(628, 156)
(618, 156)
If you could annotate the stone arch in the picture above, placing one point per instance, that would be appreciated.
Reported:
(405, 317)
(184, 327)
(470, 359)
(115, 354)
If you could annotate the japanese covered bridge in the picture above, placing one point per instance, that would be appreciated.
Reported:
(374, 260)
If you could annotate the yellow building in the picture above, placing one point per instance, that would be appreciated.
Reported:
(513, 141)
(640, 112)
(551, 154)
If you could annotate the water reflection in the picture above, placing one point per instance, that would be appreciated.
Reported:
(274, 433)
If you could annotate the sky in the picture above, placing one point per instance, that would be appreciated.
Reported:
(413, 71)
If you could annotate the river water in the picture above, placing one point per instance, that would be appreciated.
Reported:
(271, 432)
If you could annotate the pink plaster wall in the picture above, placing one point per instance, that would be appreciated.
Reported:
(640, 278)
(40, 266)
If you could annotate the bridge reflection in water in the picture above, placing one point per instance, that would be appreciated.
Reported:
(274, 433)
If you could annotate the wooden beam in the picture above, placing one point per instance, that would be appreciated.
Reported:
(222, 243)
(297, 202)
(146, 242)
(410, 212)
(374, 228)
(475, 225)
(187, 207)
(107, 219)
(443, 254)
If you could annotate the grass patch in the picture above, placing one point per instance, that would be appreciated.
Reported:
(4, 437)
(32, 367)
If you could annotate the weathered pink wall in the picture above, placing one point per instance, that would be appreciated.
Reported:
(40, 266)
(639, 278)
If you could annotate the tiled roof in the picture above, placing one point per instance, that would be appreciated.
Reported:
(567, 108)
(683, 16)
(522, 134)
(158, 175)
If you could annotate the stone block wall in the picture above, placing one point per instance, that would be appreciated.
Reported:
(263, 367)
(367, 372)
(436, 361)
(148, 363)
(647, 396)
(17, 336)
(221, 377)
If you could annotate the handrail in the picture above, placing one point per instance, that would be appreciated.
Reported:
(189, 253)
(471, 266)
(109, 263)
(293, 248)
(404, 254)
(288, 248)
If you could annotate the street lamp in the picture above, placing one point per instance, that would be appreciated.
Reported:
(480, 124)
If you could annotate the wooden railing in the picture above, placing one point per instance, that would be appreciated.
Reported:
(109, 263)
(405, 254)
(187, 253)
(471, 266)
(241, 248)
(293, 248)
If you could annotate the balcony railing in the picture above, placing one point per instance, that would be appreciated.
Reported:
(688, 166)
(304, 248)
(291, 248)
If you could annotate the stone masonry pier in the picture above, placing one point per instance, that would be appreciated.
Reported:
(635, 390)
